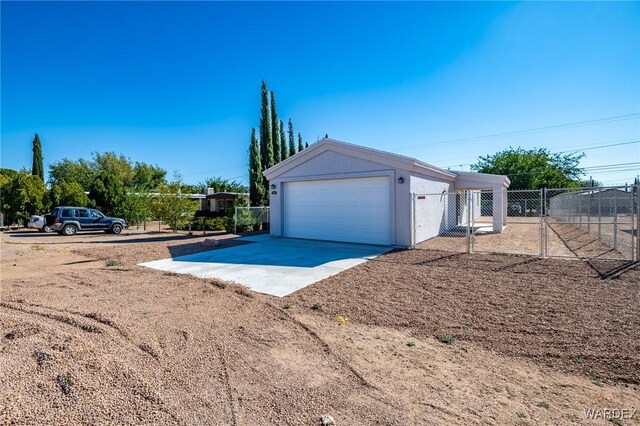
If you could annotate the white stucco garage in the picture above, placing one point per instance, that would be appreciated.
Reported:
(337, 191)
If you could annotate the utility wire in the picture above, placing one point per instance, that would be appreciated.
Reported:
(532, 130)
(573, 150)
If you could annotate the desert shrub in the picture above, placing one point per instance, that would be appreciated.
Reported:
(220, 224)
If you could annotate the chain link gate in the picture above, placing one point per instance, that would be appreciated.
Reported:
(585, 223)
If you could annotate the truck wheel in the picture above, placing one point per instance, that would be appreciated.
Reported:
(46, 228)
(116, 228)
(69, 230)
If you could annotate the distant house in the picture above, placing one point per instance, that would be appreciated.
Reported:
(221, 202)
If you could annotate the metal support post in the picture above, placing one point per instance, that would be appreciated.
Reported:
(615, 222)
(469, 203)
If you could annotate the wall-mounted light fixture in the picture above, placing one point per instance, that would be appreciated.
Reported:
(401, 180)
(273, 186)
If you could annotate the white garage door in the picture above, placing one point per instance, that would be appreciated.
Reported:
(354, 210)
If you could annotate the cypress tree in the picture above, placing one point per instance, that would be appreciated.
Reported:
(256, 187)
(37, 169)
(306, 145)
(292, 143)
(275, 133)
(284, 152)
(300, 146)
(266, 145)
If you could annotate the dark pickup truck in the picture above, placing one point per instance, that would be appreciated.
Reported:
(67, 220)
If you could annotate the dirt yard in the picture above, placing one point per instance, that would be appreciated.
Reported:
(413, 337)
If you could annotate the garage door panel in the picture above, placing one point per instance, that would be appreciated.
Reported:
(355, 210)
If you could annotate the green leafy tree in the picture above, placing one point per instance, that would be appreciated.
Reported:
(223, 185)
(533, 169)
(117, 166)
(6, 176)
(68, 194)
(284, 152)
(292, 141)
(136, 205)
(300, 145)
(107, 193)
(275, 130)
(37, 169)
(256, 186)
(81, 171)
(148, 177)
(22, 195)
(172, 206)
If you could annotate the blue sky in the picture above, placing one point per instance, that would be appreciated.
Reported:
(177, 84)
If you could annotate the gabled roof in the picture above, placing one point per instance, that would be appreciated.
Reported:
(369, 154)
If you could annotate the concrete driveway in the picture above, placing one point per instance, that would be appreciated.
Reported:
(275, 266)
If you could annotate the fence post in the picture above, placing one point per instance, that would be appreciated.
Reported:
(589, 202)
(541, 225)
(637, 223)
(599, 217)
(631, 219)
(615, 222)
(235, 220)
(468, 195)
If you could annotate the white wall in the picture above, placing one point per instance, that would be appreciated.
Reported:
(435, 207)
(334, 165)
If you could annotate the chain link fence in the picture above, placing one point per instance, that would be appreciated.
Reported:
(593, 222)
(588, 223)
(248, 219)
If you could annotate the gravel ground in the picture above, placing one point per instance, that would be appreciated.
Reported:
(537, 341)
(559, 313)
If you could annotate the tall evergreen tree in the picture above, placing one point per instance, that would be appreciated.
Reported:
(38, 168)
(266, 145)
(306, 145)
(292, 143)
(300, 145)
(284, 152)
(256, 186)
(275, 132)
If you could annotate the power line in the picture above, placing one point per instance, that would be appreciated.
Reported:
(532, 130)
(598, 147)
(605, 168)
(612, 165)
(629, 142)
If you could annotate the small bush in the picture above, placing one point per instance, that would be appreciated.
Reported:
(578, 360)
(595, 379)
(543, 404)
(411, 343)
(288, 306)
(317, 306)
(447, 340)
(109, 263)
